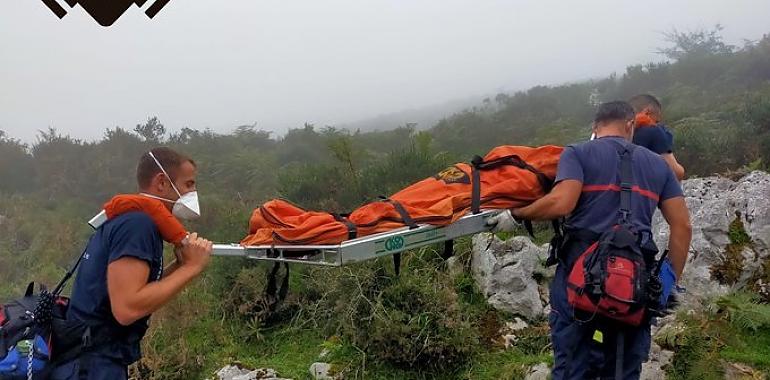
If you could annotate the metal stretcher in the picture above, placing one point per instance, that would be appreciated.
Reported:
(363, 248)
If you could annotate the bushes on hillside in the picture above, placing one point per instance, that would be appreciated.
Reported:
(413, 321)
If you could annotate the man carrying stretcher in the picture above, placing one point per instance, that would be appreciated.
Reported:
(121, 280)
(608, 283)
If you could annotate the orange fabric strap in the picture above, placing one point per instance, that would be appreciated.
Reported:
(170, 228)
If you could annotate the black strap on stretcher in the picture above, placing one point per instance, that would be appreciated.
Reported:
(448, 245)
(476, 184)
(478, 164)
(408, 221)
(405, 217)
(352, 229)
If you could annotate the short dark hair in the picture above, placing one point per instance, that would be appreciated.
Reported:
(611, 111)
(640, 102)
(169, 158)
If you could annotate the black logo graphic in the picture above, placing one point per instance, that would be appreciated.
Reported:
(105, 12)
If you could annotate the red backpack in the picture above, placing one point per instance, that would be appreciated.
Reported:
(610, 277)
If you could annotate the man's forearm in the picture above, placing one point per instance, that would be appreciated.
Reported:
(678, 247)
(542, 209)
(556, 204)
(675, 166)
(158, 293)
(677, 216)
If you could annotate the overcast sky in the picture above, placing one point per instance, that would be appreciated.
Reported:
(222, 63)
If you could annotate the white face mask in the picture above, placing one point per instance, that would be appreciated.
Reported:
(186, 207)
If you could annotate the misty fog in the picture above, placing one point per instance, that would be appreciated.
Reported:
(205, 64)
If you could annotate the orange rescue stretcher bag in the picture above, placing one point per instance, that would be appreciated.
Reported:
(507, 177)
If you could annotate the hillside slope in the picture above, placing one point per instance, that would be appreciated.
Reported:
(427, 323)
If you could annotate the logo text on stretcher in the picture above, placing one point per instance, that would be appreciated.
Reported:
(394, 243)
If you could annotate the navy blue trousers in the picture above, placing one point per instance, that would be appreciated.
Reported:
(579, 352)
(97, 367)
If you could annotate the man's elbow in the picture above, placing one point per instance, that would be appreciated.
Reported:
(125, 315)
(684, 229)
(562, 209)
(561, 212)
(679, 171)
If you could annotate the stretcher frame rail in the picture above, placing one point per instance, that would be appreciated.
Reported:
(363, 248)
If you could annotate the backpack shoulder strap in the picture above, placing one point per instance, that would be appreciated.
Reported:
(60, 286)
(626, 182)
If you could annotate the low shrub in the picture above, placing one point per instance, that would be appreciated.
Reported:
(410, 321)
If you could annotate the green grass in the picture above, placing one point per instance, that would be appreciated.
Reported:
(503, 364)
(291, 352)
(733, 329)
(750, 348)
(194, 339)
(288, 351)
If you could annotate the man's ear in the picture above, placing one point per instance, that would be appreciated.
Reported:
(159, 182)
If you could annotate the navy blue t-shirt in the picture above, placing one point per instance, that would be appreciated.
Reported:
(596, 164)
(656, 138)
(132, 234)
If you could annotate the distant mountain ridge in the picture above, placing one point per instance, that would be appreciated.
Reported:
(424, 117)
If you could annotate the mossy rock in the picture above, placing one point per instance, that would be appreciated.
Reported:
(729, 271)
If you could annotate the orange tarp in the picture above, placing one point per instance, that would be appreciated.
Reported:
(507, 178)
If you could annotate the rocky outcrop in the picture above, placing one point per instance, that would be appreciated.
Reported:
(234, 372)
(655, 367)
(738, 371)
(324, 371)
(730, 250)
(539, 372)
(721, 211)
(506, 273)
(509, 332)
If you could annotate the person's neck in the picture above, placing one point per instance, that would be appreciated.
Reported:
(598, 136)
(609, 133)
